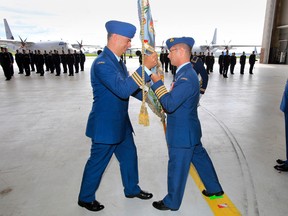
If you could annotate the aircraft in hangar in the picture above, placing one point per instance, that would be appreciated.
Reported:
(205, 48)
(87, 48)
(13, 44)
(213, 46)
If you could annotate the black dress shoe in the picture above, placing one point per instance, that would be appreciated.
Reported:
(142, 195)
(161, 206)
(282, 168)
(205, 193)
(279, 161)
(92, 206)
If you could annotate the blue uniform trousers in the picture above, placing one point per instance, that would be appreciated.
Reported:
(100, 156)
(178, 169)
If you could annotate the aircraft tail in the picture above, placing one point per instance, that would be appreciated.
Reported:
(214, 40)
(8, 31)
(255, 50)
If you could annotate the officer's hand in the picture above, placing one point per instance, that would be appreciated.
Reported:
(151, 60)
(155, 77)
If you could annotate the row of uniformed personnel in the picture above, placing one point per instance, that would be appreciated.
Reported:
(51, 60)
(208, 60)
(226, 60)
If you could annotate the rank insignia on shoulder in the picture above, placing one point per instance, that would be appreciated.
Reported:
(101, 62)
(183, 78)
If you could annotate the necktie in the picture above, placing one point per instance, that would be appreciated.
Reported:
(121, 64)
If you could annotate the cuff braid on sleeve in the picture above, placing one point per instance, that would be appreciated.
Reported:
(161, 91)
(137, 79)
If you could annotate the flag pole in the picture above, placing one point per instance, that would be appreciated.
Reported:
(143, 115)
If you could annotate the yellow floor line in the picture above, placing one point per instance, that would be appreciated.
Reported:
(221, 206)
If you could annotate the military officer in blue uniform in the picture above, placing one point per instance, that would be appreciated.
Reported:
(183, 127)
(283, 164)
(109, 126)
(198, 66)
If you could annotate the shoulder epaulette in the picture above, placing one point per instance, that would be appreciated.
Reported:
(101, 62)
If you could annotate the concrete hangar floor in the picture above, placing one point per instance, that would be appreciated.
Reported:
(44, 148)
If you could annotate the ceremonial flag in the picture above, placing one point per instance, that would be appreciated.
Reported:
(147, 35)
(147, 32)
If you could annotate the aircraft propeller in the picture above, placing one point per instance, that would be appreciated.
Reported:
(227, 47)
(23, 43)
(207, 46)
(80, 44)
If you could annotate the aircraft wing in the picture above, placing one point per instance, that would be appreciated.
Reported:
(77, 46)
(231, 46)
(8, 42)
(133, 48)
(15, 43)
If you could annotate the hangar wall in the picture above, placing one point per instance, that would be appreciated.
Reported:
(275, 33)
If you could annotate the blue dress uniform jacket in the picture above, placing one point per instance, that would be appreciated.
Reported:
(109, 121)
(183, 125)
(183, 136)
(109, 125)
(200, 69)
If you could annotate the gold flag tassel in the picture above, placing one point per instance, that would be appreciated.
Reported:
(143, 115)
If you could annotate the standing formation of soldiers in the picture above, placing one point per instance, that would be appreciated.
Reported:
(225, 61)
(28, 61)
